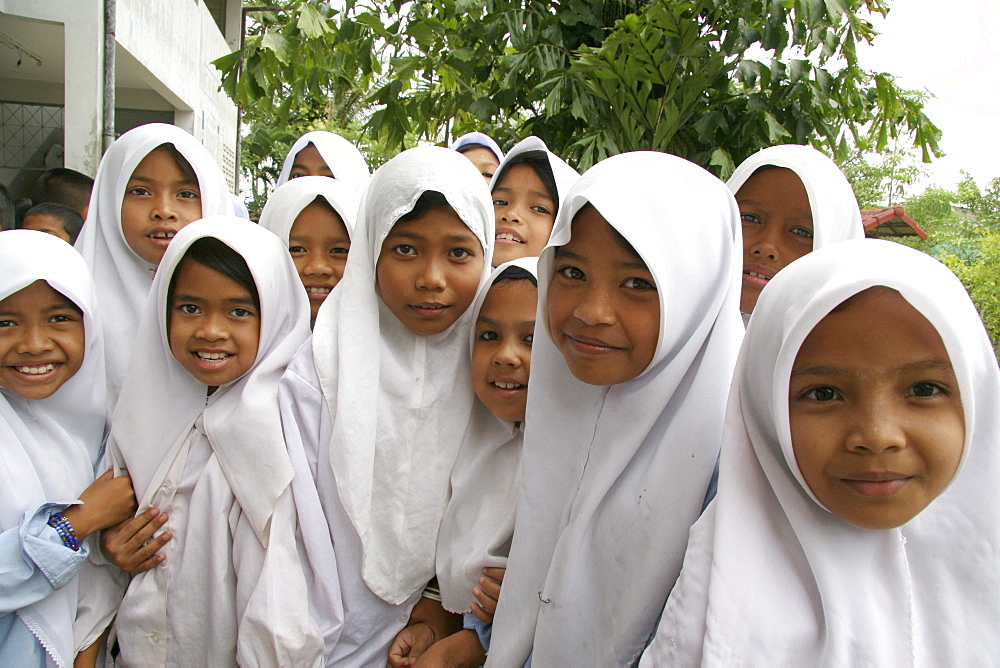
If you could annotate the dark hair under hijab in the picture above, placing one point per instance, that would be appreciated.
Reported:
(216, 255)
(539, 161)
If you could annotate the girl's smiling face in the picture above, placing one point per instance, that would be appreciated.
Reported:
(501, 354)
(525, 212)
(42, 341)
(777, 228)
(213, 324)
(428, 270)
(308, 162)
(603, 306)
(319, 243)
(159, 200)
(877, 424)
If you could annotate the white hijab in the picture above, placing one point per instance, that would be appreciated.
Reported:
(615, 476)
(161, 401)
(835, 213)
(399, 402)
(564, 175)
(49, 447)
(122, 277)
(771, 577)
(479, 521)
(478, 138)
(341, 156)
(287, 202)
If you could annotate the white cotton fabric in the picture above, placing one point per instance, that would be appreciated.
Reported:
(564, 175)
(50, 446)
(122, 277)
(478, 138)
(238, 496)
(287, 202)
(479, 520)
(771, 578)
(341, 156)
(613, 477)
(835, 213)
(399, 402)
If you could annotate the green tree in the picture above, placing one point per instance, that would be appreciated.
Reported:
(591, 78)
(881, 179)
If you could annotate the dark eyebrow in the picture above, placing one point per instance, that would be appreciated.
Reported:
(179, 182)
(241, 300)
(462, 239)
(536, 193)
(753, 202)
(818, 370)
(494, 323)
(562, 252)
(914, 367)
(187, 298)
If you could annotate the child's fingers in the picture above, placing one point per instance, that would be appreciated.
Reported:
(489, 587)
(481, 614)
(495, 573)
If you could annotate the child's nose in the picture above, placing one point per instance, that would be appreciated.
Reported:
(318, 266)
(432, 276)
(764, 242)
(595, 307)
(163, 209)
(212, 328)
(34, 341)
(876, 429)
(507, 355)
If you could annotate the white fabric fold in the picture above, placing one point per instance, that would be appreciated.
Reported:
(50, 446)
(613, 477)
(287, 202)
(479, 520)
(835, 213)
(399, 402)
(242, 419)
(122, 277)
(341, 156)
(771, 577)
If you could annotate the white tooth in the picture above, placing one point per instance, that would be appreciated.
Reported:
(35, 370)
(320, 291)
(212, 356)
(506, 386)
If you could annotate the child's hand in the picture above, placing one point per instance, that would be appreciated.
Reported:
(487, 594)
(459, 650)
(126, 544)
(108, 501)
(409, 644)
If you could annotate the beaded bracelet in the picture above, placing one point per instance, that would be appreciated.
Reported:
(62, 526)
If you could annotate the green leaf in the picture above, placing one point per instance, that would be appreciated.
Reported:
(311, 22)
(277, 44)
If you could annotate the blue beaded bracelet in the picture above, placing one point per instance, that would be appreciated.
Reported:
(62, 526)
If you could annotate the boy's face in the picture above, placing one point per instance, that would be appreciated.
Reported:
(308, 162)
(43, 222)
(525, 212)
(484, 160)
(877, 424)
(42, 341)
(159, 200)
(319, 243)
(777, 228)
(603, 307)
(501, 354)
(213, 325)
(428, 270)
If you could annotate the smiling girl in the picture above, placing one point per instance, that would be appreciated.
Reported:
(225, 315)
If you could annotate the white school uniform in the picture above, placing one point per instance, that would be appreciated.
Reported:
(478, 138)
(479, 520)
(341, 156)
(49, 449)
(771, 577)
(231, 589)
(614, 476)
(122, 277)
(377, 412)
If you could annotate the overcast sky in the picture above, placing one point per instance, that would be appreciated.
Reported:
(945, 48)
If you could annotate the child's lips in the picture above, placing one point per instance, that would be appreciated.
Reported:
(318, 292)
(507, 388)
(211, 360)
(876, 484)
(505, 235)
(36, 372)
(590, 346)
(161, 236)
(756, 275)
(429, 310)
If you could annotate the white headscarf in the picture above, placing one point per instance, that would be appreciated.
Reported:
(615, 476)
(479, 521)
(478, 138)
(161, 400)
(341, 156)
(835, 213)
(564, 175)
(400, 402)
(122, 277)
(48, 447)
(287, 202)
(771, 577)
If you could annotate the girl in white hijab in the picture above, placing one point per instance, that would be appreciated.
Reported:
(793, 200)
(377, 405)
(781, 572)
(482, 150)
(322, 153)
(528, 188)
(315, 216)
(52, 421)
(158, 199)
(225, 315)
(638, 330)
